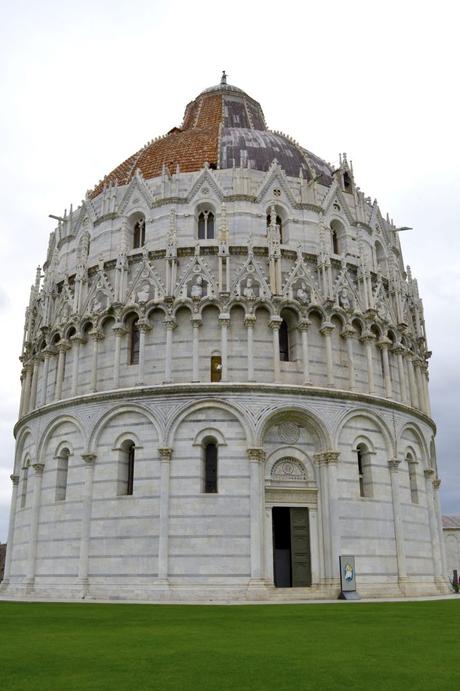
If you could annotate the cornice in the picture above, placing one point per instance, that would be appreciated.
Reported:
(219, 389)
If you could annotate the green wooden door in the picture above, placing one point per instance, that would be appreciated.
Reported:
(300, 548)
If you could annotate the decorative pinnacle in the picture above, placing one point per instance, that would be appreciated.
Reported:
(223, 79)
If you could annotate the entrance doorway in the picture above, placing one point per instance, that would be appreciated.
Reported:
(291, 547)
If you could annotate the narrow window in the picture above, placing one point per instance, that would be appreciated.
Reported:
(284, 342)
(346, 182)
(25, 474)
(411, 466)
(216, 368)
(126, 468)
(62, 474)
(206, 225)
(335, 242)
(134, 343)
(139, 234)
(210, 468)
(364, 477)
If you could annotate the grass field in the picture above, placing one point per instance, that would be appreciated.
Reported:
(409, 645)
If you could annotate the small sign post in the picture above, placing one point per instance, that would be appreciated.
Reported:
(348, 579)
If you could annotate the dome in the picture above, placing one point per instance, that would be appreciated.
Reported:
(225, 128)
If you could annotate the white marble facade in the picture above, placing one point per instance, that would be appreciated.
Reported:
(291, 337)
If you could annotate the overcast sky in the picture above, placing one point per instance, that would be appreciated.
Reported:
(85, 84)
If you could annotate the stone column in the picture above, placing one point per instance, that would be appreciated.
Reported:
(34, 518)
(419, 385)
(96, 336)
(47, 354)
(119, 331)
(75, 340)
(326, 330)
(249, 323)
(62, 347)
(437, 508)
(9, 548)
(256, 463)
(170, 326)
(224, 321)
(348, 334)
(143, 327)
(434, 528)
(398, 350)
(384, 344)
(33, 389)
(398, 526)
(326, 566)
(27, 386)
(163, 538)
(303, 328)
(412, 385)
(275, 324)
(83, 566)
(21, 400)
(330, 513)
(368, 340)
(424, 375)
(196, 323)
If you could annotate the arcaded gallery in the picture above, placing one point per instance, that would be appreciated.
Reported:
(224, 382)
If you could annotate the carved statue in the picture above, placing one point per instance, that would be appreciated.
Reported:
(345, 300)
(197, 288)
(302, 294)
(144, 293)
(248, 291)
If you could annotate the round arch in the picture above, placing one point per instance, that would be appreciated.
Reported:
(113, 412)
(412, 427)
(208, 403)
(53, 425)
(295, 413)
(364, 412)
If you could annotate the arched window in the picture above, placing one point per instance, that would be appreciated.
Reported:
(279, 224)
(206, 225)
(210, 468)
(25, 475)
(134, 342)
(337, 237)
(62, 474)
(412, 467)
(126, 468)
(284, 341)
(364, 474)
(139, 233)
(335, 242)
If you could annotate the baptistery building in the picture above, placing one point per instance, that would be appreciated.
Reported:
(225, 382)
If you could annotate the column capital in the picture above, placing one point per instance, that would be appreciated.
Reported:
(77, 338)
(14, 479)
(326, 457)
(89, 458)
(383, 343)
(196, 321)
(62, 346)
(428, 472)
(393, 464)
(170, 323)
(224, 320)
(367, 337)
(143, 325)
(304, 325)
(165, 453)
(249, 320)
(96, 335)
(398, 349)
(119, 329)
(38, 468)
(436, 484)
(348, 331)
(48, 352)
(256, 454)
(275, 322)
(327, 328)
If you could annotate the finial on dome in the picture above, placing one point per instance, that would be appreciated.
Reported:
(223, 79)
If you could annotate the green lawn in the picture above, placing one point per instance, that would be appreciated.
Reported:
(409, 645)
